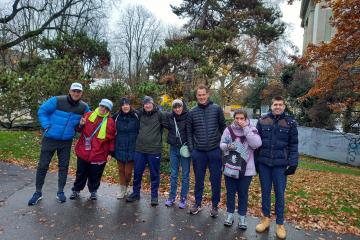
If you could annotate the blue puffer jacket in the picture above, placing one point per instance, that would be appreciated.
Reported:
(60, 115)
(127, 130)
(279, 137)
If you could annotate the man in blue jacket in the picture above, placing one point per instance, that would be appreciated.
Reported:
(205, 125)
(277, 158)
(58, 116)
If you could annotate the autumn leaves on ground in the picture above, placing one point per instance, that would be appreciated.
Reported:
(321, 195)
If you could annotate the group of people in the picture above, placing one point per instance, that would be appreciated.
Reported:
(134, 139)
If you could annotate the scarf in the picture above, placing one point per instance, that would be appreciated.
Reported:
(92, 118)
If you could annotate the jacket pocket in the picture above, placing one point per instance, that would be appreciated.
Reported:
(284, 133)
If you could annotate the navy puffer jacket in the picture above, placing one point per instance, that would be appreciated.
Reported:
(279, 137)
(127, 130)
(205, 126)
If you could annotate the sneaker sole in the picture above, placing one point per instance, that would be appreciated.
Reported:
(242, 227)
(39, 199)
(133, 200)
(194, 213)
(229, 224)
(59, 201)
(214, 215)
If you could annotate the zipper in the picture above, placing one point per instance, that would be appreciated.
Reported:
(206, 129)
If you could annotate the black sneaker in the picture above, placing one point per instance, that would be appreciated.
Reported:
(93, 196)
(214, 212)
(154, 202)
(133, 197)
(195, 209)
(74, 195)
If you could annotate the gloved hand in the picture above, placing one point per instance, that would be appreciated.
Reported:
(290, 170)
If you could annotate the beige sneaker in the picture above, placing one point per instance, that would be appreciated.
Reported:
(263, 225)
(122, 193)
(280, 231)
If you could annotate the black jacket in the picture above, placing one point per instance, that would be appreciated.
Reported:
(205, 126)
(181, 123)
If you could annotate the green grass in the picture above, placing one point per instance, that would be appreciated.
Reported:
(316, 164)
(19, 144)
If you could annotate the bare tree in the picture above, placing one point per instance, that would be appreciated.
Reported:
(138, 34)
(27, 19)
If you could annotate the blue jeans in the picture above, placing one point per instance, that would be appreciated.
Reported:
(175, 160)
(268, 177)
(240, 186)
(140, 162)
(202, 160)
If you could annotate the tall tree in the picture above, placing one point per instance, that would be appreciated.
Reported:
(211, 46)
(138, 35)
(337, 62)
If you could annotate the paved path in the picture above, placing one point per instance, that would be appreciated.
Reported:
(109, 218)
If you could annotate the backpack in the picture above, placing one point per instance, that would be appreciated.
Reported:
(234, 162)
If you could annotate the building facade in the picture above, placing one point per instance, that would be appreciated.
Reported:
(315, 19)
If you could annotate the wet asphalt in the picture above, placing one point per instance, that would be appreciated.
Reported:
(109, 218)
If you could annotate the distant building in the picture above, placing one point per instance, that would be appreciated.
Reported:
(315, 19)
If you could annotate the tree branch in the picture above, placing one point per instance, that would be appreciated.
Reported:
(38, 31)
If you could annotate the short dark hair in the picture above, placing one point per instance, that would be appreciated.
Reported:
(202, 86)
(240, 111)
(277, 98)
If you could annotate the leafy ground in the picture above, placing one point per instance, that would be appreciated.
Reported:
(321, 195)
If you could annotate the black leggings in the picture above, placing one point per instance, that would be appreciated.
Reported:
(90, 173)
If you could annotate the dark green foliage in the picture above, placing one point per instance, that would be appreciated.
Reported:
(214, 28)
(253, 97)
(91, 51)
(113, 91)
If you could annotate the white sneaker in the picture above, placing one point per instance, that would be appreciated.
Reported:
(122, 194)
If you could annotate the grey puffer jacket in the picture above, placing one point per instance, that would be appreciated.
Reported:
(205, 126)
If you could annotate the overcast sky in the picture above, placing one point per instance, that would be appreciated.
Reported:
(161, 9)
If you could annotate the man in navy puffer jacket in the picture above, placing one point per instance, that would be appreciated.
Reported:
(277, 158)
(205, 125)
(58, 116)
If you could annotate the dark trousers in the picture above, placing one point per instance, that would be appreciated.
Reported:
(140, 162)
(202, 160)
(90, 173)
(241, 187)
(273, 176)
(48, 148)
